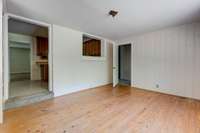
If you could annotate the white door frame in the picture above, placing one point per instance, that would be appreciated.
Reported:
(131, 60)
(115, 65)
(6, 77)
(1, 63)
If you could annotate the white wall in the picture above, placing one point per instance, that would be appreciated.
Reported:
(1, 65)
(170, 58)
(70, 71)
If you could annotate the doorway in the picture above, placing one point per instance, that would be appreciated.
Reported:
(28, 58)
(27, 61)
(122, 64)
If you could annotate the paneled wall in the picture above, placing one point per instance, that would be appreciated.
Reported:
(168, 60)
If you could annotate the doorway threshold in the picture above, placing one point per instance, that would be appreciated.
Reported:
(124, 82)
(26, 100)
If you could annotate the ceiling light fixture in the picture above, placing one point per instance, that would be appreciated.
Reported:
(113, 13)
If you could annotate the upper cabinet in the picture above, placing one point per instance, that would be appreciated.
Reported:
(42, 46)
(92, 48)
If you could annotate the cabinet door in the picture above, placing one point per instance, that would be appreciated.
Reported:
(42, 46)
(44, 72)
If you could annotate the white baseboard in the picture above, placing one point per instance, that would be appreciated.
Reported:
(65, 91)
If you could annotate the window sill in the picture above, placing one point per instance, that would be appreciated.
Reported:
(93, 58)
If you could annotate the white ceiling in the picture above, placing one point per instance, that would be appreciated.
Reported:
(135, 16)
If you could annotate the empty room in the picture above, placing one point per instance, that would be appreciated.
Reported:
(100, 66)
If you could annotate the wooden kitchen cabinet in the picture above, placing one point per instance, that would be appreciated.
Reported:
(42, 46)
(44, 72)
(42, 51)
(44, 69)
(92, 48)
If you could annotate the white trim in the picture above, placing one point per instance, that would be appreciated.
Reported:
(28, 20)
(132, 53)
(115, 65)
(97, 37)
(6, 56)
(50, 58)
(93, 58)
(5, 8)
(31, 55)
(1, 63)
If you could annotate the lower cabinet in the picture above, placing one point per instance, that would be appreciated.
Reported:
(44, 72)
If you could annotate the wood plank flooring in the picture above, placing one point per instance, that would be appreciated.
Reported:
(107, 110)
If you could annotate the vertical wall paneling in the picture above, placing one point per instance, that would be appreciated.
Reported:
(168, 60)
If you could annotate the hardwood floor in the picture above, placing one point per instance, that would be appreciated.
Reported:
(107, 110)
